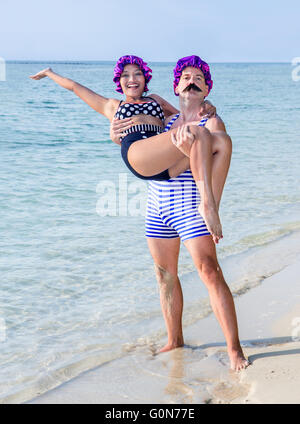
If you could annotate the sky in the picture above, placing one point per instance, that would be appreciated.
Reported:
(157, 30)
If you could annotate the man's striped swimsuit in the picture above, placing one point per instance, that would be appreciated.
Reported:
(172, 207)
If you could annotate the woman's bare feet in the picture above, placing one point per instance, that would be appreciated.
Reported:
(238, 361)
(212, 220)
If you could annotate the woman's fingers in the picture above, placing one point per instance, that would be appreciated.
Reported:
(41, 74)
(208, 109)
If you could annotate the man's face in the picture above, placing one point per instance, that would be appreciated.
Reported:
(192, 78)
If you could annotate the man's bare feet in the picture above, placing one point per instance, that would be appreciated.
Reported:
(238, 361)
(212, 221)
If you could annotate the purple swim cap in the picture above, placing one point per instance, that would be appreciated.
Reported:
(128, 60)
(195, 62)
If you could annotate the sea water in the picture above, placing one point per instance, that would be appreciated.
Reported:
(77, 282)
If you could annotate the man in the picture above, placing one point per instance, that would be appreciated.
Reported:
(173, 215)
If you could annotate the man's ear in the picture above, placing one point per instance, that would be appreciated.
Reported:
(176, 90)
(206, 90)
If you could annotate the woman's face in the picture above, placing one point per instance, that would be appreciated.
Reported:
(132, 81)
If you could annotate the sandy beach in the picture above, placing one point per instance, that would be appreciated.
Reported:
(269, 325)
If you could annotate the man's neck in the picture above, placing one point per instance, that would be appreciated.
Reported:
(189, 109)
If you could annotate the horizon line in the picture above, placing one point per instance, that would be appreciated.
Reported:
(113, 61)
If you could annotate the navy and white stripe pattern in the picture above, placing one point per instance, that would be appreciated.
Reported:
(143, 128)
(172, 208)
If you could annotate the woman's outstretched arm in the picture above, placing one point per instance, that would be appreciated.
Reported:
(100, 104)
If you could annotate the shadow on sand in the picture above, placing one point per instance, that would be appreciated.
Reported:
(275, 341)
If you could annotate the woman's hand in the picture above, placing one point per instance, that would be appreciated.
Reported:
(117, 128)
(41, 74)
(207, 109)
(183, 139)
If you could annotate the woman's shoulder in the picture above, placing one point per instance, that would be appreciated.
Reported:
(112, 107)
(166, 106)
(155, 97)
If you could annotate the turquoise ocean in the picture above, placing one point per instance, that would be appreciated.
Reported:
(78, 288)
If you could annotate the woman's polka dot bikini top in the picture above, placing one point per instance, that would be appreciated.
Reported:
(132, 109)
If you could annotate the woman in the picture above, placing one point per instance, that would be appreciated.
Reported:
(147, 151)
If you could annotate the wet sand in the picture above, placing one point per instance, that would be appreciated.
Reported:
(269, 326)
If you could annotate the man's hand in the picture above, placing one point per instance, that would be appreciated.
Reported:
(117, 128)
(183, 139)
(207, 109)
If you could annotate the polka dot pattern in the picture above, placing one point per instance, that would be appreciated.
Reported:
(131, 109)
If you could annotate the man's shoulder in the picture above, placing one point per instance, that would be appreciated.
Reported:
(215, 123)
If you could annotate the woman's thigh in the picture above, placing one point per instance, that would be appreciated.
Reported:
(153, 155)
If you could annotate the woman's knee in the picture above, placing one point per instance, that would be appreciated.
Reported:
(222, 142)
(199, 132)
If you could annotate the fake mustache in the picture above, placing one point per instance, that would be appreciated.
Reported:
(192, 87)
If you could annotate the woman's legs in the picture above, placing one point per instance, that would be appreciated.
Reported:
(155, 154)
(222, 149)
(201, 163)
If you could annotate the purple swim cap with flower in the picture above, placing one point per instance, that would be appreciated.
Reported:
(131, 60)
(195, 62)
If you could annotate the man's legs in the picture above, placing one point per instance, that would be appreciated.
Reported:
(165, 255)
(203, 252)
